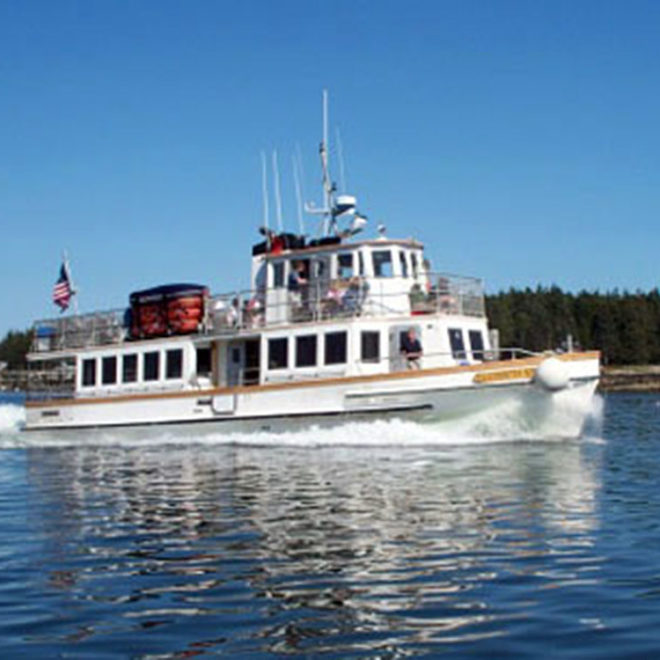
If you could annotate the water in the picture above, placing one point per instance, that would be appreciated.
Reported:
(402, 542)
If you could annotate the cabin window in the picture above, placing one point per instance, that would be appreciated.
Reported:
(278, 275)
(382, 261)
(370, 346)
(89, 372)
(457, 344)
(360, 264)
(345, 266)
(413, 262)
(322, 268)
(151, 364)
(204, 361)
(278, 353)
(109, 370)
(476, 344)
(174, 363)
(404, 264)
(306, 351)
(335, 348)
(129, 368)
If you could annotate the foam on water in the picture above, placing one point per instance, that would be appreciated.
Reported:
(12, 417)
(506, 423)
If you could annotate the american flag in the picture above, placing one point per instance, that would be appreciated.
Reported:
(62, 291)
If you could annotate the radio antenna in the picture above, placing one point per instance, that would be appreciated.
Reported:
(340, 156)
(296, 179)
(278, 199)
(264, 188)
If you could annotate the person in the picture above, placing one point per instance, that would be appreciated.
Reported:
(297, 277)
(297, 284)
(411, 348)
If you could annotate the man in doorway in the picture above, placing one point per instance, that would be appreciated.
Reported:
(411, 349)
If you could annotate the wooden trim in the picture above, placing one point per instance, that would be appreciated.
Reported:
(322, 382)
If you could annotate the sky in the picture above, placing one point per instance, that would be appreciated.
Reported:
(519, 140)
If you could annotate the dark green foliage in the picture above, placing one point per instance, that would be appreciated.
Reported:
(625, 327)
(14, 347)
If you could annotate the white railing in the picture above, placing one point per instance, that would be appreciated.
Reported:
(319, 300)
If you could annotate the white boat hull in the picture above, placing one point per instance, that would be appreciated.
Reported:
(437, 395)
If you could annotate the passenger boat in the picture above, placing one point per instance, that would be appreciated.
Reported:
(321, 335)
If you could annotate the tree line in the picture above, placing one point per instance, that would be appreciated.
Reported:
(624, 326)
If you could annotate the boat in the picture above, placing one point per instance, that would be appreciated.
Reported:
(332, 328)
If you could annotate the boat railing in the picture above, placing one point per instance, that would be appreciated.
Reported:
(250, 310)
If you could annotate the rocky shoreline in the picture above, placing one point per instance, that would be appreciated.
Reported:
(637, 378)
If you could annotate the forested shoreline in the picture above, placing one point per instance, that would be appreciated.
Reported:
(624, 326)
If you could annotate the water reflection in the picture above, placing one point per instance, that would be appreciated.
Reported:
(288, 549)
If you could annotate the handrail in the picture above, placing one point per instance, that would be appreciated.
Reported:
(248, 310)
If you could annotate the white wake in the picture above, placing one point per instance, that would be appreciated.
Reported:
(506, 423)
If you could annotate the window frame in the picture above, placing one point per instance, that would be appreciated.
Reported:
(171, 361)
(282, 341)
(109, 373)
(378, 270)
(328, 358)
(478, 351)
(88, 368)
(458, 351)
(126, 370)
(311, 355)
(369, 334)
(148, 373)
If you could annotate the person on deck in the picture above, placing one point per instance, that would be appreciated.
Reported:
(411, 349)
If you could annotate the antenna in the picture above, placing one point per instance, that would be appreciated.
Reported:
(264, 188)
(296, 179)
(276, 183)
(340, 155)
(327, 184)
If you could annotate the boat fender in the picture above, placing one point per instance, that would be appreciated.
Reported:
(552, 375)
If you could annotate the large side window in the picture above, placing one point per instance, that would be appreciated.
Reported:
(278, 353)
(476, 344)
(306, 351)
(89, 372)
(109, 370)
(370, 346)
(382, 262)
(151, 364)
(174, 363)
(335, 348)
(129, 368)
(457, 344)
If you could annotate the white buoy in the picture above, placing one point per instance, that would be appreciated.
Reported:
(552, 374)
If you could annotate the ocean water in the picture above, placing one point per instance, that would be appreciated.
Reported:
(402, 541)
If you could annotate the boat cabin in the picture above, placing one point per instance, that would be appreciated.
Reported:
(324, 310)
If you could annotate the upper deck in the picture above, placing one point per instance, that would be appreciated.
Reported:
(375, 279)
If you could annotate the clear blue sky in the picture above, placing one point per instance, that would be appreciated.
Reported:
(519, 140)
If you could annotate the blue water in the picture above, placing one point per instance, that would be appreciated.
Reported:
(492, 547)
